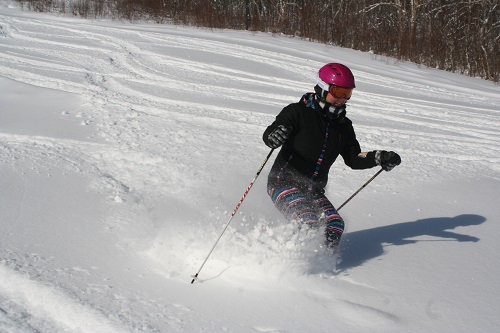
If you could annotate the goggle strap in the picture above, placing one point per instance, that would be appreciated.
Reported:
(323, 85)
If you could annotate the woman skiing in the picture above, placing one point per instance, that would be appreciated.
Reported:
(313, 133)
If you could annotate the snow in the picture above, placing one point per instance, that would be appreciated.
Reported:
(124, 148)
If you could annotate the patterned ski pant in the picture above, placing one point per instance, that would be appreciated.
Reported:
(312, 208)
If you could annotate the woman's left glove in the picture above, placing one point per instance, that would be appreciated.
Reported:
(386, 159)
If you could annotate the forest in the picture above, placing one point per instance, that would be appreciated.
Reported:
(461, 36)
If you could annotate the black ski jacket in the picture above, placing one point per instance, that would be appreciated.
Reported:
(297, 163)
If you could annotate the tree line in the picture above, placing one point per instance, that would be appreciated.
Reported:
(455, 35)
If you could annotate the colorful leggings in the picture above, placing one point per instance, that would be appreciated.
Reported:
(312, 208)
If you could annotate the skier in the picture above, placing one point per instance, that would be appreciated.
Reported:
(312, 133)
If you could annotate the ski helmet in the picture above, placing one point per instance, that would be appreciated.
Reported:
(333, 74)
(337, 75)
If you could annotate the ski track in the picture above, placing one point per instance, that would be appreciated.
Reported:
(64, 312)
(126, 74)
(38, 304)
(137, 86)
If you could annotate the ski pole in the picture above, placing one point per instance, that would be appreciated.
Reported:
(362, 187)
(195, 277)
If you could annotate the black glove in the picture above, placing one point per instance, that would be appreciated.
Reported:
(386, 159)
(277, 137)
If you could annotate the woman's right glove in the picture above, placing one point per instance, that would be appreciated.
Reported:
(277, 137)
(386, 159)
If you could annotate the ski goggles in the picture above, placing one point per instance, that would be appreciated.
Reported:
(340, 92)
(336, 91)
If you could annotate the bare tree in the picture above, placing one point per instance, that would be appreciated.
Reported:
(456, 35)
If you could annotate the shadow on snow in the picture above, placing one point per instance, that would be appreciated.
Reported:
(361, 246)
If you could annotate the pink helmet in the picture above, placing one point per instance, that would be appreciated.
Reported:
(337, 75)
